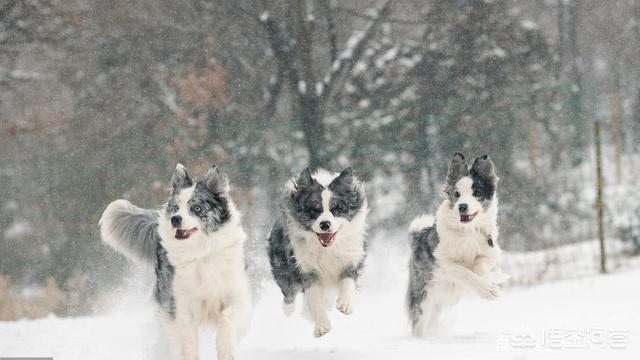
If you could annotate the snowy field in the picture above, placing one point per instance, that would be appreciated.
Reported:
(588, 318)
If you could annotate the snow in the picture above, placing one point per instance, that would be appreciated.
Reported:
(524, 323)
(302, 87)
(17, 229)
(529, 25)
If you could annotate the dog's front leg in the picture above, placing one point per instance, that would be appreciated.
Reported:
(234, 319)
(470, 279)
(315, 300)
(482, 265)
(346, 295)
(183, 336)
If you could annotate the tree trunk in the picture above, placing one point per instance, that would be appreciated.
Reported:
(576, 91)
(636, 112)
(561, 39)
(533, 137)
(616, 136)
(599, 199)
(311, 116)
(419, 149)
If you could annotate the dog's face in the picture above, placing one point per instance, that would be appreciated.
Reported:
(324, 208)
(198, 207)
(470, 192)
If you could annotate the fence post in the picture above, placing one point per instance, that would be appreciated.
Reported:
(599, 199)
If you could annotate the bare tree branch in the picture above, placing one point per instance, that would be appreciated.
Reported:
(281, 49)
(355, 13)
(332, 34)
(274, 91)
(351, 54)
(304, 31)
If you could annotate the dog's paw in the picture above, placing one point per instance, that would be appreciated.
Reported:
(321, 329)
(344, 307)
(490, 291)
(225, 355)
(288, 309)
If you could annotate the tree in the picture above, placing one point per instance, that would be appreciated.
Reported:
(293, 44)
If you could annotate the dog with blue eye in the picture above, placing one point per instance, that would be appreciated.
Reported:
(194, 243)
(318, 243)
(457, 251)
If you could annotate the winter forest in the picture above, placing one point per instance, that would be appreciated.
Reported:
(99, 100)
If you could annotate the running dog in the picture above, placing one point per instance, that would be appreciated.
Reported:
(319, 242)
(195, 244)
(457, 250)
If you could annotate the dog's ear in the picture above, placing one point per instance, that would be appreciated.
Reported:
(345, 179)
(483, 167)
(216, 181)
(180, 178)
(304, 179)
(457, 169)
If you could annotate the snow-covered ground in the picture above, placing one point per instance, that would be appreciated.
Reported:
(585, 318)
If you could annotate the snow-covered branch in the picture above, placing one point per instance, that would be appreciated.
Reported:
(351, 54)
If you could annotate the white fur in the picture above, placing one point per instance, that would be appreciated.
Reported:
(421, 222)
(466, 262)
(210, 283)
(328, 262)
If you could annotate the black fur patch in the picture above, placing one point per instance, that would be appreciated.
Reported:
(421, 267)
(284, 267)
(305, 203)
(212, 209)
(347, 198)
(209, 201)
(484, 178)
(163, 291)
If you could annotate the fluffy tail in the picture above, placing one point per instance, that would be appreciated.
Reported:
(420, 223)
(131, 230)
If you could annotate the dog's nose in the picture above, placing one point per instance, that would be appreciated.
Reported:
(463, 208)
(325, 225)
(176, 220)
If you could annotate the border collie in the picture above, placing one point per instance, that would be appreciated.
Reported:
(195, 244)
(458, 250)
(319, 242)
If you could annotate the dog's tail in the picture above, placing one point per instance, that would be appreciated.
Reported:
(420, 223)
(131, 230)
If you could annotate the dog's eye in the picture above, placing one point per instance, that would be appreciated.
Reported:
(339, 209)
(456, 194)
(314, 210)
(197, 209)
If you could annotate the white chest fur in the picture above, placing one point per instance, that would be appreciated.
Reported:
(209, 272)
(465, 247)
(329, 262)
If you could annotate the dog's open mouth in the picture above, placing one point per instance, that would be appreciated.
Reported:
(326, 239)
(465, 218)
(182, 234)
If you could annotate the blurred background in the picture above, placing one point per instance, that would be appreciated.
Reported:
(100, 99)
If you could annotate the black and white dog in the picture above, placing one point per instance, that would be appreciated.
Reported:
(458, 250)
(195, 243)
(319, 243)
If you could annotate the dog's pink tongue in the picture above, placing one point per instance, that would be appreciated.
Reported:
(326, 239)
(184, 234)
